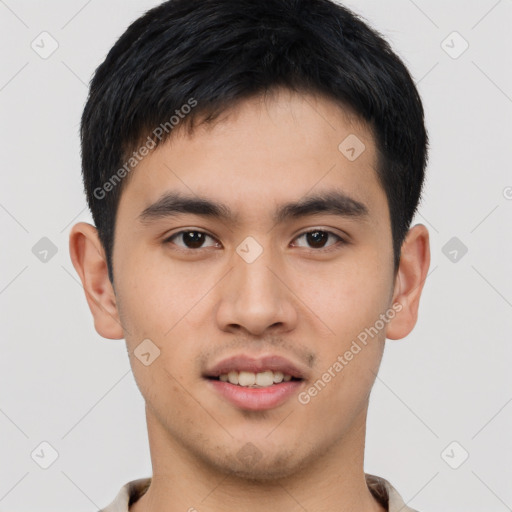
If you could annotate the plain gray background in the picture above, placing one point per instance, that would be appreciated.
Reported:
(443, 393)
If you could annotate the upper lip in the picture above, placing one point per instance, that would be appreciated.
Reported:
(246, 363)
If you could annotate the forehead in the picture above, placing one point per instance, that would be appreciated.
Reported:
(262, 152)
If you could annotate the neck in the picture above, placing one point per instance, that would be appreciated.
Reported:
(332, 481)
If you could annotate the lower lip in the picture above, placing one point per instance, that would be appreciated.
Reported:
(256, 399)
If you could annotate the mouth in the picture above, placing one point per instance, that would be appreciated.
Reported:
(256, 384)
(263, 379)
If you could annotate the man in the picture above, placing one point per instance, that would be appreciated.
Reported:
(253, 169)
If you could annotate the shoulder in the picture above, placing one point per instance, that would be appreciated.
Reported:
(386, 494)
(128, 494)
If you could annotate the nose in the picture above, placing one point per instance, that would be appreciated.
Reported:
(255, 297)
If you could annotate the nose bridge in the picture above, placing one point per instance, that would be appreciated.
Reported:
(253, 275)
(253, 296)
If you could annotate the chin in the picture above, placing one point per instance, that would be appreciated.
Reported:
(255, 467)
(262, 473)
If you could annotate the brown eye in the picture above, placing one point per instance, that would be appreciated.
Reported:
(318, 238)
(189, 239)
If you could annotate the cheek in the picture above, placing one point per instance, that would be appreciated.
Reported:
(349, 357)
(156, 300)
(348, 297)
(156, 294)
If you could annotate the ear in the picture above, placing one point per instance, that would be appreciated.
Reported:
(89, 260)
(409, 281)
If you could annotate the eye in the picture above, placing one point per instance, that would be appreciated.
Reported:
(317, 238)
(192, 239)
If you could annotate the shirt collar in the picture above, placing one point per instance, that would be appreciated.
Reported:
(381, 489)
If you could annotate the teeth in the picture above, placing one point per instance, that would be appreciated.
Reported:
(246, 379)
(250, 379)
(278, 377)
(265, 379)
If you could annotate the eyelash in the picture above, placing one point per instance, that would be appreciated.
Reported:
(329, 248)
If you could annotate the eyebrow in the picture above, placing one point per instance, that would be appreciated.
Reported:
(173, 204)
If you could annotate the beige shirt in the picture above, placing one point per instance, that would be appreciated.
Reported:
(383, 491)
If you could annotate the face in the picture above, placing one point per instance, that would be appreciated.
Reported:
(241, 288)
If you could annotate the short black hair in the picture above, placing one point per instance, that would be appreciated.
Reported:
(186, 61)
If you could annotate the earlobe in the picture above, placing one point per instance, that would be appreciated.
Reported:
(89, 260)
(410, 278)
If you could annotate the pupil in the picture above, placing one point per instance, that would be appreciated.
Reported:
(193, 239)
(316, 238)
